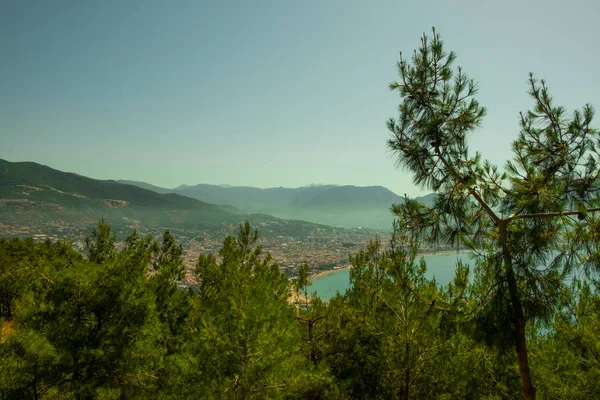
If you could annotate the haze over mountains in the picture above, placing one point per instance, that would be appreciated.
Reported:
(345, 206)
(46, 204)
(31, 194)
(27, 187)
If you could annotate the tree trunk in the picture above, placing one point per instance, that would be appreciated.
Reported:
(407, 373)
(518, 319)
(313, 353)
(35, 391)
(5, 309)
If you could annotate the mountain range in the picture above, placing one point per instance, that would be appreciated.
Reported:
(34, 195)
(29, 190)
(345, 206)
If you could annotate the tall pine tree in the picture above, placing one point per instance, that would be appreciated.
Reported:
(531, 222)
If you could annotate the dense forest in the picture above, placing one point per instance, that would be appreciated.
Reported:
(115, 324)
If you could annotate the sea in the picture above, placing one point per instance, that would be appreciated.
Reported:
(441, 267)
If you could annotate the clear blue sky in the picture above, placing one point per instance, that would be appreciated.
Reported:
(264, 93)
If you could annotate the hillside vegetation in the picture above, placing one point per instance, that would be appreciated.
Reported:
(38, 183)
(534, 222)
(31, 193)
(115, 325)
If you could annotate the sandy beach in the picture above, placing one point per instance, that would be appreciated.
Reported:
(321, 274)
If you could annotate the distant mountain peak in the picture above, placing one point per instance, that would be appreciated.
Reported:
(316, 185)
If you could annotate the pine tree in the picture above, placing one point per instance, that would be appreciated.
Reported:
(302, 282)
(531, 223)
(397, 323)
(568, 355)
(101, 245)
(243, 323)
(83, 328)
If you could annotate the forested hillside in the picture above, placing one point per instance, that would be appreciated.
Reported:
(47, 200)
(115, 324)
(38, 186)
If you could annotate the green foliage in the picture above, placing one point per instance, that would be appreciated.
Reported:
(302, 281)
(247, 326)
(102, 248)
(118, 325)
(567, 358)
(521, 221)
(395, 334)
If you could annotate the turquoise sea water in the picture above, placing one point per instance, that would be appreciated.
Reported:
(442, 267)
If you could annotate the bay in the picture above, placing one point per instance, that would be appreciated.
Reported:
(441, 266)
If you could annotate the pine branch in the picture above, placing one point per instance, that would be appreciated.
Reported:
(551, 214)
(485, 205)
(472, 190)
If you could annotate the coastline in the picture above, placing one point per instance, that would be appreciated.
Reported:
(321, 274)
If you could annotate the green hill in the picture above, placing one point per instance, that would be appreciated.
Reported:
(41, 185)
(32, 194)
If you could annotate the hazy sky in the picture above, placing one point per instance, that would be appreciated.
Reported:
(265, 93)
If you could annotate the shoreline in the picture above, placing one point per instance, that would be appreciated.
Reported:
(321, 274)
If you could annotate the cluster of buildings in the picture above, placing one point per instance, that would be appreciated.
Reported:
(287, 252)
(322, 249)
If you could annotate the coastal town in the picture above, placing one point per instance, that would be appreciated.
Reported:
(325, 249)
